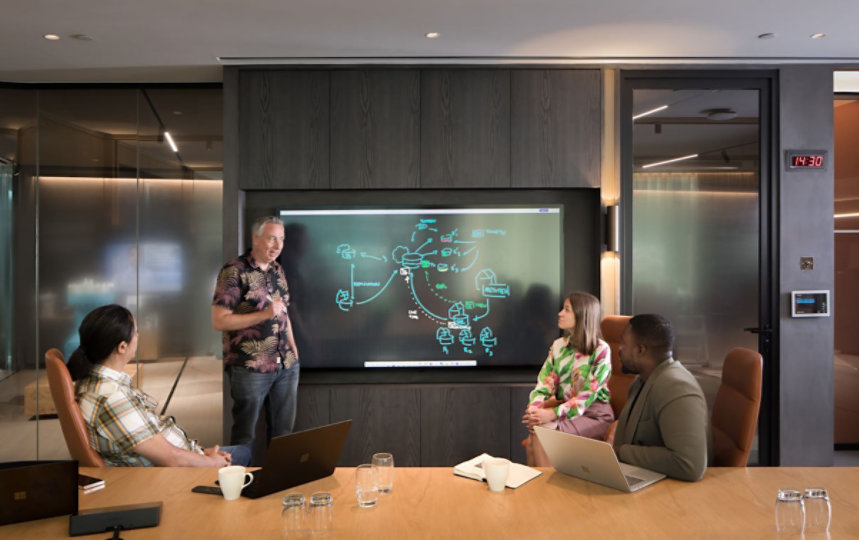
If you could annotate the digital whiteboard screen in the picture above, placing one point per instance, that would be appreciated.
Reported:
(424, 287)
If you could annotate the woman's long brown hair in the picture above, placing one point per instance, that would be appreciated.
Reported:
(586, 333)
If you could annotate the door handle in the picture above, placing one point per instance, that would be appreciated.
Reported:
(766, 331)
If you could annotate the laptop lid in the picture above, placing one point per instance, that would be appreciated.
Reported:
(37, 489)
(592, 460)
(298, 458)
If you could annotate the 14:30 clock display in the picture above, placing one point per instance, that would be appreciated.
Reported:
(807, 160)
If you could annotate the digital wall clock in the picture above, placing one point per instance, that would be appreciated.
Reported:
(805, 160)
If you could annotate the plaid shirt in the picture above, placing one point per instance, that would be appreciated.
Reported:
(119, 417)
(244, 287)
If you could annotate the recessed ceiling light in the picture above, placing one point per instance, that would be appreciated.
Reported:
(767, 35)
(51, 37)
(818, 36)
(722, 113)
(177, 113)
(432, 35)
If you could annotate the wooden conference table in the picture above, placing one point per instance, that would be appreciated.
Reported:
(433, 503)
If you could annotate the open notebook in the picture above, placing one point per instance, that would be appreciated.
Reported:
(518, 475)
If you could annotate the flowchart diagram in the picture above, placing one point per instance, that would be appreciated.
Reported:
(440, 268)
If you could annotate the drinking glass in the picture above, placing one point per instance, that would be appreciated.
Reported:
(818, 512)
(384, 464)
(366, 487)
(321, 514)
(294, 515)
(789, 512)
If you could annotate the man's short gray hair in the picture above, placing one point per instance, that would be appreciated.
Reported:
(259, 223)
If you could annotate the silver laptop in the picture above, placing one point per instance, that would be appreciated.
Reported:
(592, 460)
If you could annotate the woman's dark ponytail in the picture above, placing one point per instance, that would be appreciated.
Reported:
(101, 332)
(78, 364)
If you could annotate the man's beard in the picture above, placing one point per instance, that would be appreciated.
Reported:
(627, 370)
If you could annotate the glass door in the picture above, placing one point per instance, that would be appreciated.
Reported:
(694, 216)
(6, 171)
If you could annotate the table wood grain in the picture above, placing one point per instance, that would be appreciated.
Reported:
(433, 503)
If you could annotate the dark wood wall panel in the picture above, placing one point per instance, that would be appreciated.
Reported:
(518, 401)
(284, 130)
(465, 128)
(458, 423)
(385, 418)
(411, 128)
(375, 134)
(556, 128)
(313, 407)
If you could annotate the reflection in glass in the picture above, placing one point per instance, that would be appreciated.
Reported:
(695, 221)
(18, 389)
(119, 217)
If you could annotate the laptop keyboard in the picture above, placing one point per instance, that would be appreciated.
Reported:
(633, 481)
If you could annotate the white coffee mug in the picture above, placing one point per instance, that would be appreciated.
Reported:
(496, 470)
(232, 481)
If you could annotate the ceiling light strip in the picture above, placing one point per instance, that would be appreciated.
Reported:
(667, 161)
(853, 214)
(170, 141)
(651, 111)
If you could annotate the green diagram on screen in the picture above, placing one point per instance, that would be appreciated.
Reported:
(441, 270)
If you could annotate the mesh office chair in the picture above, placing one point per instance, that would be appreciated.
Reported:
(71, 419)
(735, 411)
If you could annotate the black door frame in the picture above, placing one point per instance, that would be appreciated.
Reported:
(766, 82)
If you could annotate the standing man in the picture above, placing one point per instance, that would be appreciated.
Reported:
(260, 356)
(664, 425)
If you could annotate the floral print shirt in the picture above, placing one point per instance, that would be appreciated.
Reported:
(243, 287)
(576, 379)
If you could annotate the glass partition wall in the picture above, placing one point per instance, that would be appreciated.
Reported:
(693, 199)
(107, 211)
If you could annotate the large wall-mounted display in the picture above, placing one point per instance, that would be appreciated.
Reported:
(468, 280)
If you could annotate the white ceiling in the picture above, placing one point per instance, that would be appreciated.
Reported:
(191, 40)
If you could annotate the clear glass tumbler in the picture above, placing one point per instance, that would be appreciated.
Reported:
(366, 487)
(818, 512)
(321, 514)
(789, 512)
(294, 516)
(384, 464)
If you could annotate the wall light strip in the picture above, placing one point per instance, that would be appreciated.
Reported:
(651, 111)
(667, 161)
(854, 214)
(170, 141)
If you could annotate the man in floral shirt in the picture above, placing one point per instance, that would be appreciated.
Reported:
(260, 356)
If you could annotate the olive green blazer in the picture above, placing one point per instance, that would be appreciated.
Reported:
(665, 425)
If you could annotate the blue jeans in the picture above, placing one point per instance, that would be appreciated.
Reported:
(251, 390)
(239, 454)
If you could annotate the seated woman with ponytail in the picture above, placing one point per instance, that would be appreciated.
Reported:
(124, 427)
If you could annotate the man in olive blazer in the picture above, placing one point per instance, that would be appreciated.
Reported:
(664, 426)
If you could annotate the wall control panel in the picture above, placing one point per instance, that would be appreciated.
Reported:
(809, 303)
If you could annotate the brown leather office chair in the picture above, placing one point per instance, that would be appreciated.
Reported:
(71, 419)
(735, 411)
(612, 327)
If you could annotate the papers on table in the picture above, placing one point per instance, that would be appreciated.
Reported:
(518, 475)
